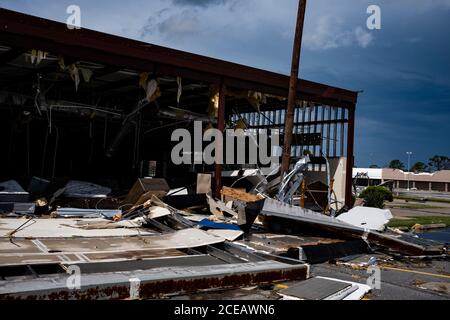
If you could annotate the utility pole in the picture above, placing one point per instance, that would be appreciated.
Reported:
(292, 98)
(409, 168)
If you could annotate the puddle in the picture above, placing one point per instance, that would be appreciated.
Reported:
(440, 235)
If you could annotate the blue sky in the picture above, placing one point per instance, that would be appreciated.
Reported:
(403, 69)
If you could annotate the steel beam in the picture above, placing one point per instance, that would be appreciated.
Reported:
(27, 32)
(350, 158)
(219, 146)
(155, 283)
(293, 85)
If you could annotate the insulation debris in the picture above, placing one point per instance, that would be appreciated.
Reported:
(213, 108)
(152, 90)
(219, 209)
(367, 218)
(37, 56)
(74, 74)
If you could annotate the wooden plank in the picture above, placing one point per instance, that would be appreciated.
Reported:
(239, 195)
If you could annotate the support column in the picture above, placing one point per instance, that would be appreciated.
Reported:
(446, 187)
(293, 87)
(350, 157)
(219, 146)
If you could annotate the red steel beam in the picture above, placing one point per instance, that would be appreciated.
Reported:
(157, 289)
(27, 32)
(350, 158)
(219, 146)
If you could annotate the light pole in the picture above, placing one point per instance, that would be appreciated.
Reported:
(409, 168)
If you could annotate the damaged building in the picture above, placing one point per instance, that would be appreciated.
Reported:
(89, 106)
(88, 181)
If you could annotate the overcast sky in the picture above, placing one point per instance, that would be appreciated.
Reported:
(403, 69)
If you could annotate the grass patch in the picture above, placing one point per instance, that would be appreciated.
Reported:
(415, 206)
(410, 222)
(417, 199)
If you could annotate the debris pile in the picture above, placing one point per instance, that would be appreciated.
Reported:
(178, 242)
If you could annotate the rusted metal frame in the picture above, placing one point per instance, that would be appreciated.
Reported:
(219, 145)
(350, 158)
(88, 54)
(310, 114)
(329, 132)
(300, 123)
(322, 127)
(47, 31)
(174, 281)
(283, 92)
(293, 83)
(316, 115)
(335, 137)
(125, 62)
(342, 132)
(297, 128)
(302, 150)
(272, 118)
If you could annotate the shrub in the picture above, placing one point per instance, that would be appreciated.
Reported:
(376, 196)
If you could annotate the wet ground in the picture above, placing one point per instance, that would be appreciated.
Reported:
(414, 280)
(440, 235)
(399, 281)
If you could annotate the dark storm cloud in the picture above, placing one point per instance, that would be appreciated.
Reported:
(198, 3)
(402, 68)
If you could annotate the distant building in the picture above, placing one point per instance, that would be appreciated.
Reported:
(438, 181)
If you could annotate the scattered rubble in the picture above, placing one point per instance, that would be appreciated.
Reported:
(249, 233)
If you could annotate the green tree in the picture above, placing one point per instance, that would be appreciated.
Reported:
(374, 166)
(375, 197)
(419, 167)
(438, 163)
(397, 164)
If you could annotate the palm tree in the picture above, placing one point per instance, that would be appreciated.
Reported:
(419, 167)
(397, 164)
(439, 163)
